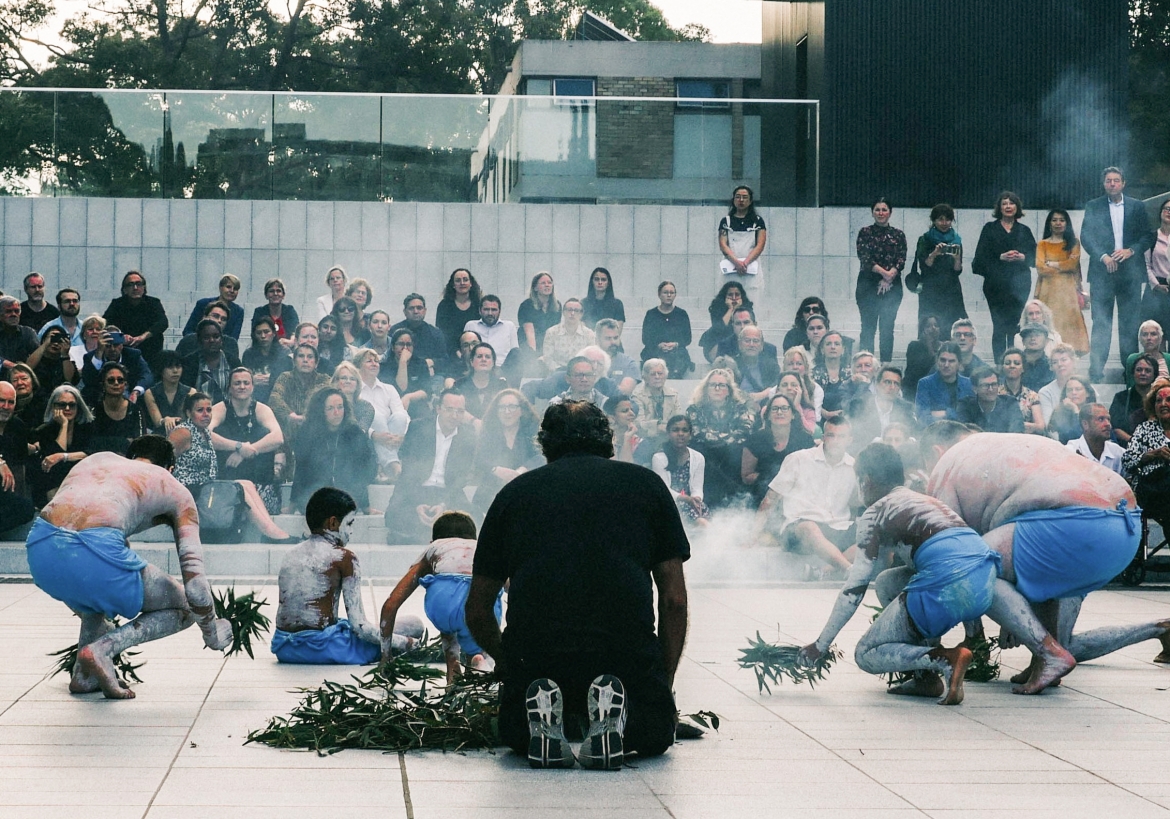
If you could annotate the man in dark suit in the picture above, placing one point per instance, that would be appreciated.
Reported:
(1115, 235)
(436, 467)
(871, 412)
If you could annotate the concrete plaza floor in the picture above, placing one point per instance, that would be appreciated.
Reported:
(845, 749)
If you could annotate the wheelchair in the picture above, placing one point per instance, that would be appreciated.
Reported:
(1154, 558)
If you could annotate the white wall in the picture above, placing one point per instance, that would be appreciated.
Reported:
(184, 246)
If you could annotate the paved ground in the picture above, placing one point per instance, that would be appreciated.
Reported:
(846, 749)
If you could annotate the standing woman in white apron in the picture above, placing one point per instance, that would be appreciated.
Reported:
(742, 236)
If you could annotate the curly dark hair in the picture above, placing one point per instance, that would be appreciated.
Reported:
(475, 294)
(575, 427)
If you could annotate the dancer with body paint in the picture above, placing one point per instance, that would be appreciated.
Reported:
(314, 576)
(444, 570)
(954, 579)
(1063, 525)
(78, 554)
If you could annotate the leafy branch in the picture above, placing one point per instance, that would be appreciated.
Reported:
(773, 663)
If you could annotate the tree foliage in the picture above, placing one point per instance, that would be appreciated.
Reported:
(378, 46)
(1149, 84)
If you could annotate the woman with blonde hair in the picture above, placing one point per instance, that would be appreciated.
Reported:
(799, 360)
(1037, 312)
(348, 380)
(721, 418)
(336, 279)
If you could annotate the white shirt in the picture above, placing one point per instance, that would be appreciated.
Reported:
(442, 450)
(811, 489)
(324, 305)
(1049, 399)
(1117, 217)
(1110, 455)
(698, 472)
(501, 336)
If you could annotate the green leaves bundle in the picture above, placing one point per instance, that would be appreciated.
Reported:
(377, 713)
(984, 666)
(243, 613)
(773, 663)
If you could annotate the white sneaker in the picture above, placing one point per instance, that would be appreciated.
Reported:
(602, 748)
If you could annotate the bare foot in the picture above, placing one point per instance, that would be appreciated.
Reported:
(101, 668)
(1052, 663)
(958, 659)
(922, 684)
(1164, 656)
(82, 683)
(1023, 676)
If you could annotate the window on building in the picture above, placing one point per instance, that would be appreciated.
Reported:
(703, 93)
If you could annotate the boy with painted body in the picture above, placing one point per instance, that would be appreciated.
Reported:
(314, 577)
(1063, 525)
(444, 570)
(955, 578)
(78, 554)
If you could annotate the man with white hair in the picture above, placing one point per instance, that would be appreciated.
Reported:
(17, 342)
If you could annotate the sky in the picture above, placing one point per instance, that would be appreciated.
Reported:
(730, 21)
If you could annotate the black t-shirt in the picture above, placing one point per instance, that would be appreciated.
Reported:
(540, 321)
(14, 441)
(578, 539)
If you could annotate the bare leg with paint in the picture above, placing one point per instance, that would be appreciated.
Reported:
(164, 612)
(892, 644)
(1050, 660)
(93, 628)
(1098, 642)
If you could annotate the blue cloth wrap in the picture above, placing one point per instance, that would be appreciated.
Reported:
(1072, 551)
(92, 571)
(954, 581)
(445, 601)
(337, 644)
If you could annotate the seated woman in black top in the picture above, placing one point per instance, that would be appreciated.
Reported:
(600, 302)
(809, 306)
(332, 451)
(283, 316)
(409, 373)
(666, 332)
(538, 312)
(267, 358)
(507, 445)
(116, 420)
(458, 306)
(247, 440)
(31, 400)
(62, 441)
(164, 398)
(484, 382)
(765, 450)
(731, 297)
(331, 347)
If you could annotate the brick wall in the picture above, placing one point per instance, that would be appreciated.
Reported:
(635, 139)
